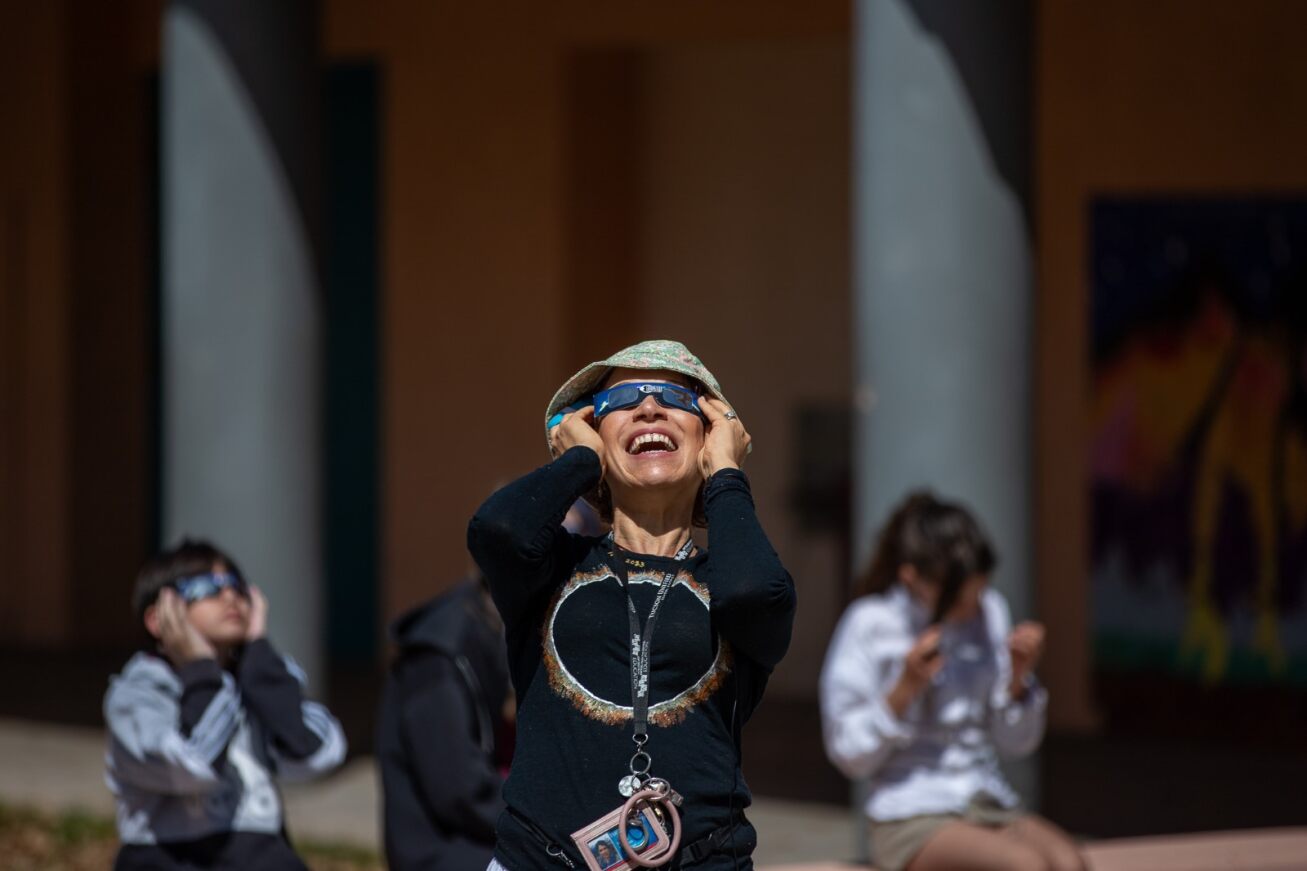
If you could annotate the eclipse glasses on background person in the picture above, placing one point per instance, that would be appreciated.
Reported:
(632, 394)
(206, 586)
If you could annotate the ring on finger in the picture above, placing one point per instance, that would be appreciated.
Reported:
(730, 415)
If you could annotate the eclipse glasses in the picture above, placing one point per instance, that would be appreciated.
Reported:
(632, 394)
(198, 587)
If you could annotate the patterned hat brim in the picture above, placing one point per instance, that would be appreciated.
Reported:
(654, 355)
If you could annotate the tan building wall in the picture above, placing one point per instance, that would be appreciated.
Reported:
(745, 254)
(74, 317)
(531, 220)
(1162, 97)
(716, 212)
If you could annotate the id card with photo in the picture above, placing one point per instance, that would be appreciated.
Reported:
(600, 844)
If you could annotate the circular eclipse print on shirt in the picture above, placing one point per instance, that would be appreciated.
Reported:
(587, 642)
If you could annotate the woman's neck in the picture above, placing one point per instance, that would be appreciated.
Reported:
(657, 532)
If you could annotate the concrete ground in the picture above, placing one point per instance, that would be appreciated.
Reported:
(58, 768)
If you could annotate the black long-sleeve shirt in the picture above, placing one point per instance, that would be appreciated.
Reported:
(723, 627)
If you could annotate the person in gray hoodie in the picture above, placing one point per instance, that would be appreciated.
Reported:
(442, 733)
(205, 721)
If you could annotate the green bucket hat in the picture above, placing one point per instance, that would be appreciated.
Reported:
(663, 354)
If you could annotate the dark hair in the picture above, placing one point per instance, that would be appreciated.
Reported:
(941, 540)
(188, 557)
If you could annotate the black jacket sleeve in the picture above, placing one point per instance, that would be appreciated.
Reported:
(272, 693)
(753, 598)
(517, 538)
(457, 780)
(201, 681)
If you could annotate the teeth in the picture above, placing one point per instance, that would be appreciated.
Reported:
(651, 438)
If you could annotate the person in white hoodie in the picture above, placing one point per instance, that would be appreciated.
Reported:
(204, 721)
(925, 684)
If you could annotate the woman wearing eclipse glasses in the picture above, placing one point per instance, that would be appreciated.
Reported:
(637, 656)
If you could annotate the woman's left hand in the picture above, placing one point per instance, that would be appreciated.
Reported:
(1025, 645)
(725, 441)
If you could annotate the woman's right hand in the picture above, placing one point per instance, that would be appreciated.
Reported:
(578, 428)
(920, 666)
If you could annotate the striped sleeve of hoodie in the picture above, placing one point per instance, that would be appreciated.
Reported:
(306, 740)
(166, 728)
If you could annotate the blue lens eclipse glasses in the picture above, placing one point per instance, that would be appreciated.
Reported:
(632, 394)
(198, 587)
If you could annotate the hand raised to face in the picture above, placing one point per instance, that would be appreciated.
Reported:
(924, 659)
(920, 666)
(578, 429)
(1025, 645)
(258, 626)
(726, 442)
(182, 643)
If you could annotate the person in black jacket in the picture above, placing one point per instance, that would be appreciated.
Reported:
(441, 712)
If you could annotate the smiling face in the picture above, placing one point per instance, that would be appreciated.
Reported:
(649, 447)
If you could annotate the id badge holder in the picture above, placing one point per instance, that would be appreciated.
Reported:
(634, 835)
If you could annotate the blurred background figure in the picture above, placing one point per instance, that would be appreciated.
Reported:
(442, 733)
(205, 722)
(925, 684)
(583, 520)
(445, 729)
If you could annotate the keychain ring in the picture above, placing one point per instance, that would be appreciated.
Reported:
(650, 796)
(648, 761)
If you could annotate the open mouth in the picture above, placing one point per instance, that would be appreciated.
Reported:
(651, 443)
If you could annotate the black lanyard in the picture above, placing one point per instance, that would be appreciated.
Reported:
(642, 642)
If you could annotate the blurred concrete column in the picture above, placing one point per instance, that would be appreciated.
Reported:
(943, 268)
(241, 308)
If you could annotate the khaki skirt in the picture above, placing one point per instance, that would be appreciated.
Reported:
(896, 842)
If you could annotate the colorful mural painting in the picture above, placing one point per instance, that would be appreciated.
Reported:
(1198, 451)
